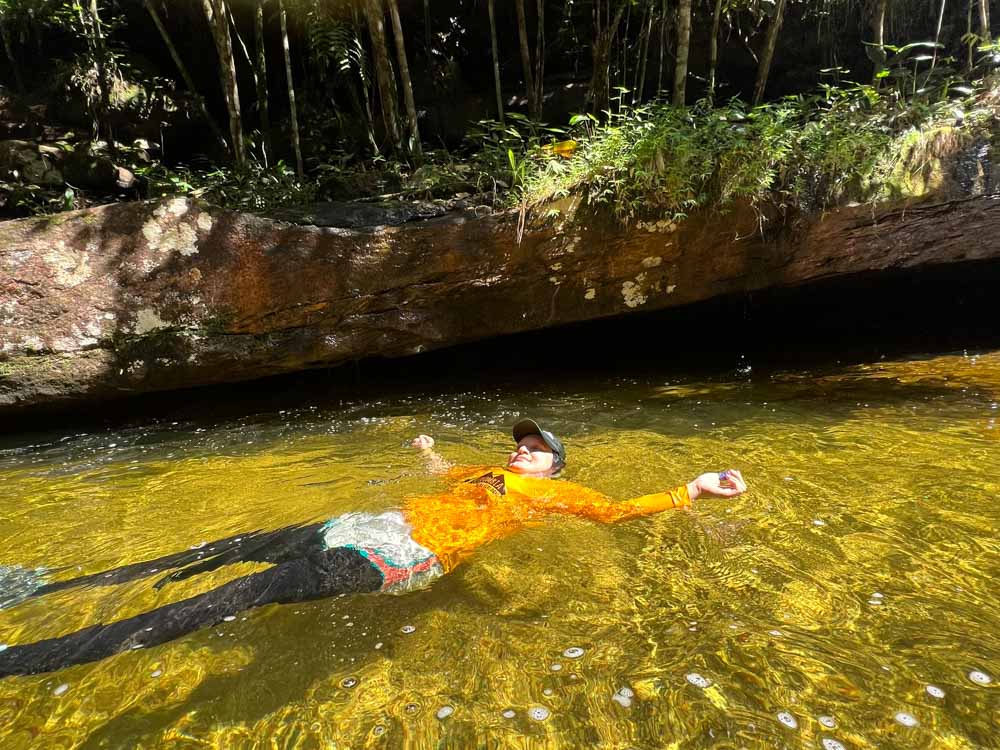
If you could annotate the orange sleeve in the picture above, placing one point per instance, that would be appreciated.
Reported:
(572, 499)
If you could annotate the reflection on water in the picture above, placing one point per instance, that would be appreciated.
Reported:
(847, 601)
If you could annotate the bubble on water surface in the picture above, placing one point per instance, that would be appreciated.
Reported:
(875, 602)
(827, 721)
(156, 673)
(349, 682)
(444, 712)
(775, 633)
(61, 689)
(378, 645)
(934, 691)
(788, 720)
(573, 652)
(697, 680)
(555, 667)
(228, 618)
(547, 691)
(411, 708)
(510, 713)
(907, 720)
(831, 744)
(538, 713)
(407, 629)
(819, 522)
(980, 678)
(378, 730)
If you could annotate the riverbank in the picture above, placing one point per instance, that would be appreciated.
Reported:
(151, 296)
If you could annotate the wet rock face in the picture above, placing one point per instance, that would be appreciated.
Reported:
(140, 297)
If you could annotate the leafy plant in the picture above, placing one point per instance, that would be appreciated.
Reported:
(808, 152)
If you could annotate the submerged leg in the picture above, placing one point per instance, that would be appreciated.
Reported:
(321, 574)
(251, 546)
(282, 545)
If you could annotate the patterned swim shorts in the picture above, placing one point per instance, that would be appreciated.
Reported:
(385, 539)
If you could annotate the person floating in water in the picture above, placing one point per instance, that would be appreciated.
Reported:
(391, 552)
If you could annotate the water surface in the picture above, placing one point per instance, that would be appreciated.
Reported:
(859, 571)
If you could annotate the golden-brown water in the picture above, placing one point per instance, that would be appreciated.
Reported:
(859, 570)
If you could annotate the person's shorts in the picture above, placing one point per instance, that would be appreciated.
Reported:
(385, 540)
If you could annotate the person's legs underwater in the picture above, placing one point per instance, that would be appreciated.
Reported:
(18, 583)
(320, 573)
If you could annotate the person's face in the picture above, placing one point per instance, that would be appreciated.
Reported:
(532, 456)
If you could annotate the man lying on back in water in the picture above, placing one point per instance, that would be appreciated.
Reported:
(392, 552)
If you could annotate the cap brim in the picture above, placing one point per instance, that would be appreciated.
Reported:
(527, 427)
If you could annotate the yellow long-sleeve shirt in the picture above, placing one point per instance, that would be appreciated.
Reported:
(488, 503)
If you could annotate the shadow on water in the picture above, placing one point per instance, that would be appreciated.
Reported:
(821, 328)
(277, 629)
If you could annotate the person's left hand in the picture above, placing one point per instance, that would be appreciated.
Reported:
(729, 483)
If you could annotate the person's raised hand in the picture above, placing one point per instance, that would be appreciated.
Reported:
(729, 483)
(423, 442)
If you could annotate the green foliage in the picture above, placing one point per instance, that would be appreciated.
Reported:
(21, 15)
(256, 189)
(501, 152)
(27, 199)
(334, 45)
(804, 152)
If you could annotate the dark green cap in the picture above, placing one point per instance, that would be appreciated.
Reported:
(530, 427)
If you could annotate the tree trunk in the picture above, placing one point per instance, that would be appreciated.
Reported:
(968, 33)
(764, 69)
(605, 31)
(937, 35)
(217, 17)
(416, 151)
(877, 14)
(529, 80)
(713, 50)
(234, 31)
(185, 74)
(683, 49)
(623, 57)
(427, 29)
(8, 48)
(984, 21)
(496, 63)
(101, 58)
(375, 13)
(663, 48)
(365, 83)
(291, 90)
(644, 54)
(260, 75)
(540, 59)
